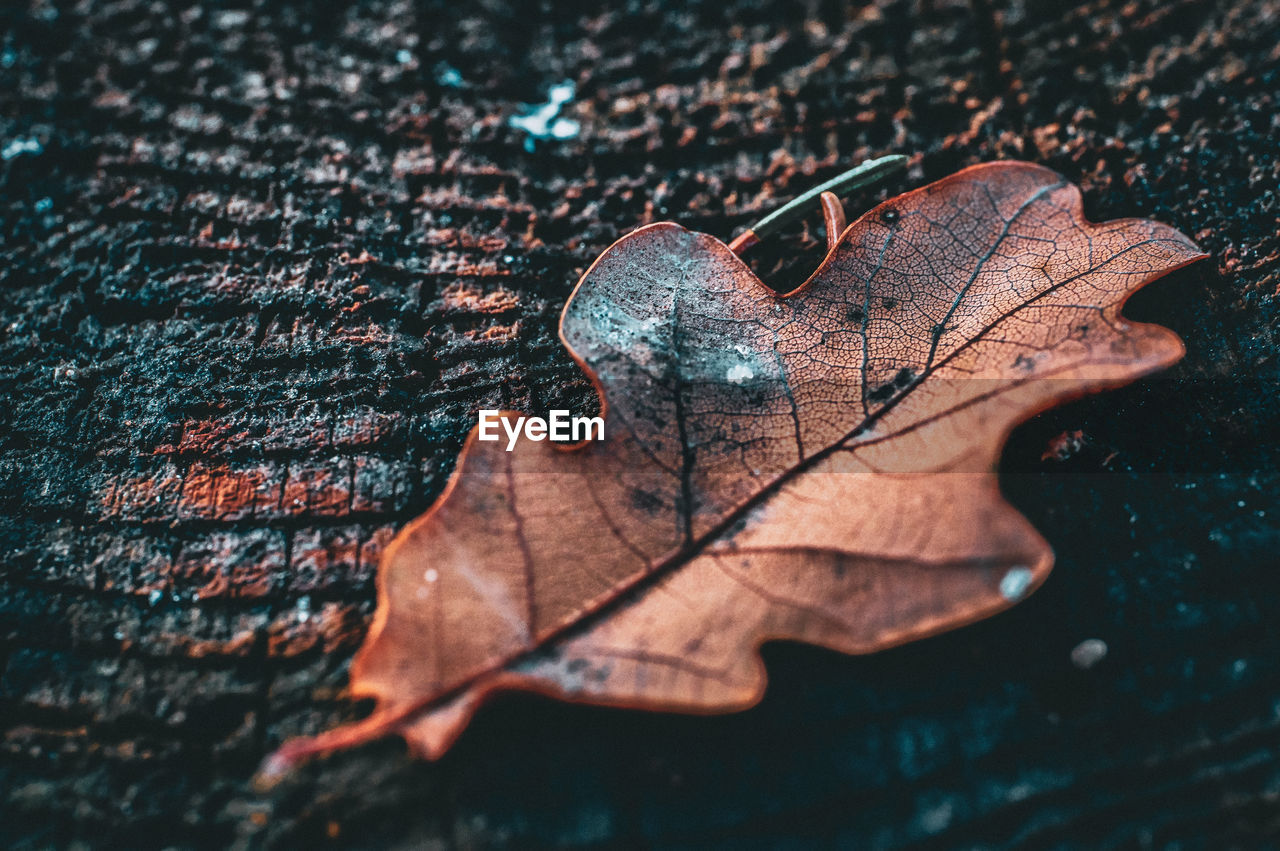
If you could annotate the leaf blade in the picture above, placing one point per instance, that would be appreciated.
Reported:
(940, 319)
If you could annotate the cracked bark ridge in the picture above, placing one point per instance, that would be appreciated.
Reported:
(816, 466)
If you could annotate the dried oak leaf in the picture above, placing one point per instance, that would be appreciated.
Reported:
(817, 466)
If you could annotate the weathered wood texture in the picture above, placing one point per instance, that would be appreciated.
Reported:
(262, 263)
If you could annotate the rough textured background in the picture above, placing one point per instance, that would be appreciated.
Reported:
(261, 263)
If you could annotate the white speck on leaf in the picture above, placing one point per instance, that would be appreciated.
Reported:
(739, 373)
(1015, 584)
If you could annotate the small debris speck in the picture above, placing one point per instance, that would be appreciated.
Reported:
(231, 19)
(1088, 653)
(448, 76)
(935, 819)
(20, 146)
(543, 121)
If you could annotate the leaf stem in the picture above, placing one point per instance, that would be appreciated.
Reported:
(864, 174)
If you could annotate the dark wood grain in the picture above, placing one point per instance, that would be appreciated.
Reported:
(260, 264)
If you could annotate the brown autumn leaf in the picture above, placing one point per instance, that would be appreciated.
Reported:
(817, 466)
